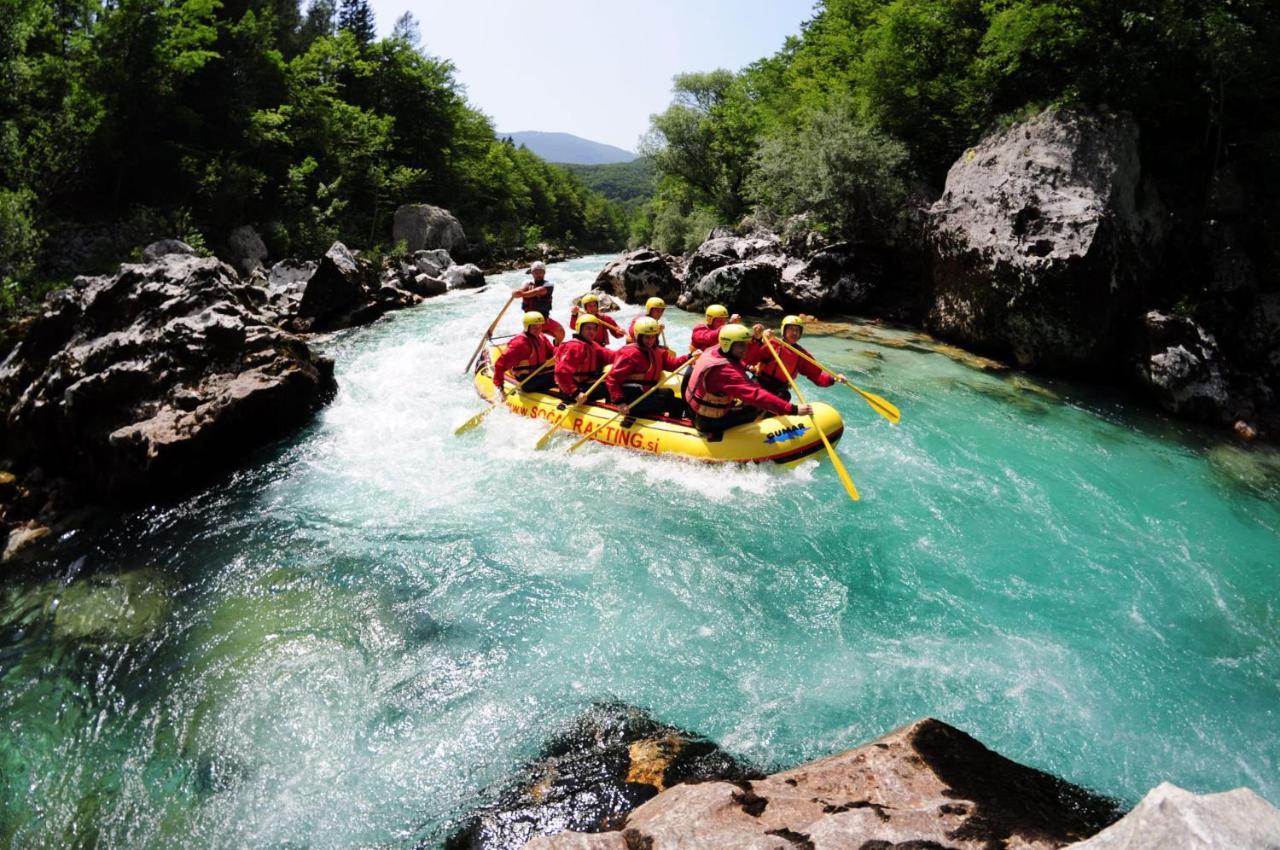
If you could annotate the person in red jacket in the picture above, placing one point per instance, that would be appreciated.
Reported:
(759, 360)
(640, 366)
(708, 336)
(653, 309)
(591, 304)
(536, 297)
(722, 395)
(525, 353)
(580, 361)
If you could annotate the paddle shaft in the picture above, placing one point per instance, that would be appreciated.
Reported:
(542, 441)
(479, 417)
(488, 333)
(639, 399)
(835, 459)
(878, 404)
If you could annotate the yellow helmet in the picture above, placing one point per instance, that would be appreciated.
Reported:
(586, 319)
(730, 334)
(533, 317)
(788, 321)
(646, 326)
(655, 303)
(589, 298)
(717, 311)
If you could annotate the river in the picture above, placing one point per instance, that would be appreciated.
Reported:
(353, 639)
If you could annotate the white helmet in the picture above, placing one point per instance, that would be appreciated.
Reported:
(537, 264)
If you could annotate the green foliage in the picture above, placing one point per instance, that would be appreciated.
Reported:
(629, 183)
(851, 176)
(222, 112)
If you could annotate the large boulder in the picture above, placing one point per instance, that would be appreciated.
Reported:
(589, 776)
(340, 291)
(422, 226)
(1041, 239)
(466, 276)
(154, 378)
(637, 276)
(721, 250)
(927, 785)
(1169, 817)
(1182, 369)
(246, 250)
(740, 286)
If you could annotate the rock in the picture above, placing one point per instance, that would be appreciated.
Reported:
(723, 250)
(154, 378)
(1041, 239)
(21, 538)
(165, 247)
(741, 286)
(432, 263)
(830, 279)
(245, 249)
(340, 286)
(798, 237)
(1182, 369)
(588, 777)
(468, 276)
(927, 785)
(1245, 431)
(422, 226)
(1169, 817)
(428, 286)
(637, 276)
(112, 609)
(285, 285)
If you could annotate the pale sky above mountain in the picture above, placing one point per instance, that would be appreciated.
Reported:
(594, 69)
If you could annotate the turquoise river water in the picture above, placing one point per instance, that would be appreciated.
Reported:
(352, 640)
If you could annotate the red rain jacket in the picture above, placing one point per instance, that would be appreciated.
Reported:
(609, 324)
(705, 338)
(644, 365)
(525, 352)
(759, 358)
(578, 364)
(715, 373)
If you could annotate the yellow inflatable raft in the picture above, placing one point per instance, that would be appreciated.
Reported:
(776, 439)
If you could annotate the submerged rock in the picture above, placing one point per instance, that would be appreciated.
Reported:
(637, 276)
(613, 758)
(1041, 238)
(112, 609)
(1169, 817)
(153, 378)
(927, 785)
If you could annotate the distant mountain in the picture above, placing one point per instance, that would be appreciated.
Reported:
(564, 147)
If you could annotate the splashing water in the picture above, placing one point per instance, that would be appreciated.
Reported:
(353, 639)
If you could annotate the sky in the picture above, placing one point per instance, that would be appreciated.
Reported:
(595, 69)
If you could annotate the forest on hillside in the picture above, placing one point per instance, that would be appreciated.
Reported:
(140, 119)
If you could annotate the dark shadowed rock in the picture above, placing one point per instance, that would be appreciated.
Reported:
(831, 279)
(468, 276)
(723, 250)
(927, 785)
(1170, 818)
(340, 290)
(245, 249)
(588, 777)
(433, 263)
(740, 286)
(1182, 369)
(639, 275)
(422, 226)
(165, 247)
(155, 378)
(1041, 238)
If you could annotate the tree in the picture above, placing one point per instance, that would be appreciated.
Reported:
(356, 17)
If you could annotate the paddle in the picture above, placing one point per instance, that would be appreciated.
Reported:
(639, 399)
(878, 404)
(835, 459)
(479, 417)
(488, 334)
(546, 438)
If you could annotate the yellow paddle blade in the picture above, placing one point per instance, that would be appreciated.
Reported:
(878, 404)
(472, 422)
(837, 463)
(546, 437)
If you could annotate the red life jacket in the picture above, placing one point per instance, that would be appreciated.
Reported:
(701, 401)
(540, 351)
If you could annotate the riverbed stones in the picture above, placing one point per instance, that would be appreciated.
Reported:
(637, 276)
(927, 785)
(422, 226)
(154, 378)
(1170, 817)
(609, 760)
(1040, 240)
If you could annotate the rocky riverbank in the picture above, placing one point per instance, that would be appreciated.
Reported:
(1048, 248)
(616, 779)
